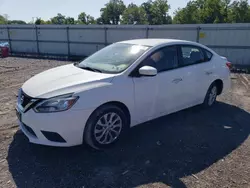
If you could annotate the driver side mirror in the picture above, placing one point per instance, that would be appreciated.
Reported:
(148, 71)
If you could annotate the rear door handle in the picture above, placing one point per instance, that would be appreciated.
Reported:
(177, 80)
(209, 72)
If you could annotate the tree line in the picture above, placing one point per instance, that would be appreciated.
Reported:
(156, 12)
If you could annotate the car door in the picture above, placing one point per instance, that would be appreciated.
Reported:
(163, 93)
(175, 83)
(194, 63)
(145, 94)
(207, 73)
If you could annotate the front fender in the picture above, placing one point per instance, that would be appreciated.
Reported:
(94, 95)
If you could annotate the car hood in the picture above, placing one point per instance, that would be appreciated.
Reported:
(62, 80)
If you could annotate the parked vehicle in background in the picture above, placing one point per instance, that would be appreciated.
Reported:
(124, 84)
(4, 49)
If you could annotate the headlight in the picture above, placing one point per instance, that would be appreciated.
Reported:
(56, 104)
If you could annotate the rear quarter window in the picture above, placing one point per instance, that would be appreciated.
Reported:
(208, 55)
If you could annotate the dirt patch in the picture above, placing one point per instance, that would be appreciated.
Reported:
(192, 148)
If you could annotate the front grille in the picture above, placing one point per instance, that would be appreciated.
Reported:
(24, 99)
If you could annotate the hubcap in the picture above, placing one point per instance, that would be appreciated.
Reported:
(108, 128)
(212, 95)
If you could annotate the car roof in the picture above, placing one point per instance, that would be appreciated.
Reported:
(156, 41)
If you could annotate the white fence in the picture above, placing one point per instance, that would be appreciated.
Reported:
(230, 40)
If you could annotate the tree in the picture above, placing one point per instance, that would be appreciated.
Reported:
(39, 21)
(91, 20)
(188, 15)
(83, 18)
(147, 8)
(239, 12)
(105, 18)
(201, 11)
(157, 12)
(213, 11)
(16, 22)
(134, 15)
(69, 21)
(3, 20)
(225, 10)
(99, 21)
(112, 12)
(48, 22)
(59, 19)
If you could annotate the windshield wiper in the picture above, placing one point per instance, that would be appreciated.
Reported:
(90, 68)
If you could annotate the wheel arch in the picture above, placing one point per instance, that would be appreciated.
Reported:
(219, 85)
(122, 106)
(119, 104)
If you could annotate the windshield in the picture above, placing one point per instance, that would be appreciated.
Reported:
(114, 58)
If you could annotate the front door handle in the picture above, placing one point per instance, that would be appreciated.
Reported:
(209, 72)
(177, 80)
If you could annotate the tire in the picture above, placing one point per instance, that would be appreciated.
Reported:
(98, 132)
(211, 96)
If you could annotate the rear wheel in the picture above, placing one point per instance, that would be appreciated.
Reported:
(211, 96)
(105, 127)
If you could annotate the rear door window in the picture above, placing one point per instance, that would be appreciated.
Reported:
(191, 55)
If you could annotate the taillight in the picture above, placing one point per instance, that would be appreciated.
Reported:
(229, 65)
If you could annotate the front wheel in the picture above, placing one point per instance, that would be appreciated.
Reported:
(211, 96)
(105, 127)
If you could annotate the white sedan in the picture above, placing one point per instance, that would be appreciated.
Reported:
(124, 84)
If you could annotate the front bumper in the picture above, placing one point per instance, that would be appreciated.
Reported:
(67, 127)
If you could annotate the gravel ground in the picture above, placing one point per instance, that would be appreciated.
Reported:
(192, 148)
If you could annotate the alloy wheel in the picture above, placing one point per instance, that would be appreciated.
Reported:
(108, 128)
(212, 95)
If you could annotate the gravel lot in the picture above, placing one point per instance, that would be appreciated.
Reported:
(192, 148)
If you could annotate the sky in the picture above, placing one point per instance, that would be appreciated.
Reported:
(28, 10)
